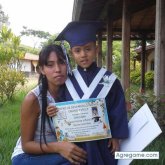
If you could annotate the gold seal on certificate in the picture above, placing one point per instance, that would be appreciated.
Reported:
(82, 120)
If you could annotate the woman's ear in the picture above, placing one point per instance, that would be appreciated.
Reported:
(41, 70)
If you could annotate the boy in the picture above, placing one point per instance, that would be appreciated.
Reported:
(90, 81)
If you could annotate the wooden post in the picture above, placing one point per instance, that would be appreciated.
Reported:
(159, 79)
(99, 56)
(143, 65)
(109, 44)
(125, 62)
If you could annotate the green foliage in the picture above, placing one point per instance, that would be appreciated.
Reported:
(49, 41)
(116, 67)
(6, 34)
(5, 54)
(10, 52)
(155, 103)
(25, 48)
(35, 33)
(9, 80)
(104, 52)
(116, 56)
(149, 80)
(135, 77)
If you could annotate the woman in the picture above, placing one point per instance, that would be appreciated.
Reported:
(38, 143)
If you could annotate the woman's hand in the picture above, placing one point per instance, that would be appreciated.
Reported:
(51, 110)
(73, 153)
(114, 144)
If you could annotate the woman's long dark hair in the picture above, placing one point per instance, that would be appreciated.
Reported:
(43, 84)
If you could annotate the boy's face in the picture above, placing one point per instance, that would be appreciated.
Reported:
(85, 55)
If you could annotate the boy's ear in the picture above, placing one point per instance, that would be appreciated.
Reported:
(97, 49)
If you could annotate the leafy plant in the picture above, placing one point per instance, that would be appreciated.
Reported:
(135, 77)
(9, 80)
(136, 100)
(149, 80)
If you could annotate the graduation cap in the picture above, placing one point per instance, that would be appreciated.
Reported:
(79, 33)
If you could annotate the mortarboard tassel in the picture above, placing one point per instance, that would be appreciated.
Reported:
(69, 69)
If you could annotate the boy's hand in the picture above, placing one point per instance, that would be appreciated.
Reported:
(51, 110)
(114, 144)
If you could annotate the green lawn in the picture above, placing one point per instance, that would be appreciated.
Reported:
(9, 133)
(9, 128)
(10, 123)
(158, 145)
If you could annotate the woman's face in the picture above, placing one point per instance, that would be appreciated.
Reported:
(55, 70)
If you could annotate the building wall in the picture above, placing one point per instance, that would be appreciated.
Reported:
(26, 66)
(150, 61)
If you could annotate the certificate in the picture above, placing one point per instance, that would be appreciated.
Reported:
(82, 120)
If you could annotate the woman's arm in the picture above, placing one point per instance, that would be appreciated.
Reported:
(29, 117)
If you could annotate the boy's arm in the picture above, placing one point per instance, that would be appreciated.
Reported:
(117, 112)
(114, 145)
